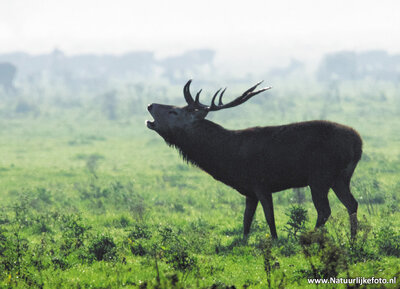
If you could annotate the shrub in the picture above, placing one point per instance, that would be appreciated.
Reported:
(325, 258)
(121, 222)
(44, 195)
(73, 230)
(59, 263)
(42, 225)
(271, 263)
(297, 221)
(166, 233)
(103, 248)
(13, 257)
(266, 249)
(140, 231)
(138, 208)
(92, 163)
(137, 248)
(289, 247)
(388, 241)
(359, 250)
(178, 256)
(178, 207)
(175, 250)
(136, 236)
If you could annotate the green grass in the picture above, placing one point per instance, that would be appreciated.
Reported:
(72, 181)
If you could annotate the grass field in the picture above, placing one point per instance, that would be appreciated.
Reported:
(90, 198)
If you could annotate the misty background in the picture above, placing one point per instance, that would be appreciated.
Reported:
(117, 57)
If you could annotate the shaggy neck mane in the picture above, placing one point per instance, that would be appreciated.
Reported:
(205, 144)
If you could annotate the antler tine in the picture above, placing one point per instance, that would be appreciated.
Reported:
(187, 95)
(213, 99)
(220, 97)
(197, 100)
(250, 95)
(251, 89)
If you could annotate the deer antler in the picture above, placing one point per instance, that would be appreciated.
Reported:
(195, 104)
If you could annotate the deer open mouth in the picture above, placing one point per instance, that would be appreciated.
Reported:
(150, 124)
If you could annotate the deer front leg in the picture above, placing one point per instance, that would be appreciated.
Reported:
(353, 225)
(251, 206)
(268, 207)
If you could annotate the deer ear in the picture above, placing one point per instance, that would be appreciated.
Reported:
(199, 114)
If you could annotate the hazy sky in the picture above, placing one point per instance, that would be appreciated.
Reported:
(252, 31)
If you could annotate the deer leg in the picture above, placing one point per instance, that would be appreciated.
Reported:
(342, 191)
(319, 195)
(251, 206)
(268, 207)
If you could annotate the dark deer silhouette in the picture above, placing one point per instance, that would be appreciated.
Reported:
(259, 161)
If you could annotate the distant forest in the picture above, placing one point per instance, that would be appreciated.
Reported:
(93, 70)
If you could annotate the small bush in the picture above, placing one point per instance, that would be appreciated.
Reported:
(73, 230)
(137, 247)
(121, 222)
(42, 225)
(175, 249)
(166, 233)
(359, 252)
(140, 231)
(138, 208)
(44, 195)
(266, 248)
(275, 279)
(388, 241)
(103, 248)
(325, 258)
(59, 263)
(297, 221)
(289, 247)
(178, 207)
(178, 256)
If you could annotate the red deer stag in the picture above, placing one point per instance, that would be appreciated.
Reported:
(259, 161)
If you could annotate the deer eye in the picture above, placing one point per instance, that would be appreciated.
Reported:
(173, 112)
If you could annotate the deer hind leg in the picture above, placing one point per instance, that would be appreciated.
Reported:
(268, 207)
(251, 206)
(342, 191)
(319, 193)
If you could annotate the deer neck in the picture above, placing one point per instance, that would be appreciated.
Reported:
(206, 145)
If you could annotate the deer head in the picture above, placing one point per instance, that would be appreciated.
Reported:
(168, 118)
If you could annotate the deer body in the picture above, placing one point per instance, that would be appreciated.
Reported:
(259, 161)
